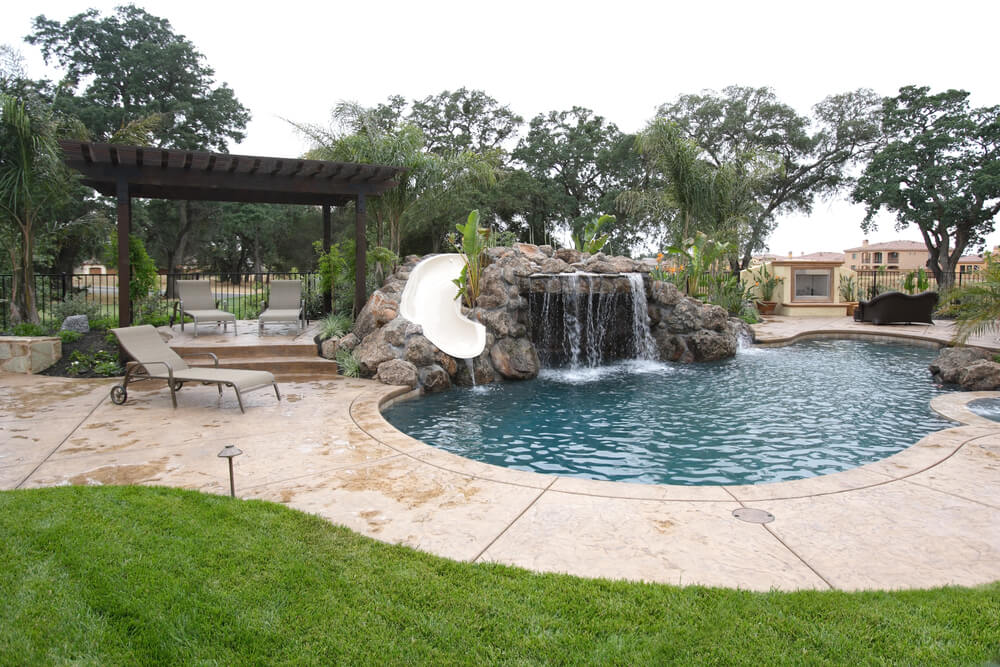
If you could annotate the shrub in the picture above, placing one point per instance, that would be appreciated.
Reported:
(78, 304)
(348, 364)
(102, 362)
(67, 336)
(31, 329)
(334, 325)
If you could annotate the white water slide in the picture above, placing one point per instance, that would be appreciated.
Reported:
(429, 299)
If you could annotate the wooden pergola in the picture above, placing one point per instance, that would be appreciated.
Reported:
(125, 172)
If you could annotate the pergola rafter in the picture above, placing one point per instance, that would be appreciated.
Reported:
(125, 172)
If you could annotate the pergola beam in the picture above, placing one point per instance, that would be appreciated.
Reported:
(125, 172)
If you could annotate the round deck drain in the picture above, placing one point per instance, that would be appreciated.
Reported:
(751, 515)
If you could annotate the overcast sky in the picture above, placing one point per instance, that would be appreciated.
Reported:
(622, 59)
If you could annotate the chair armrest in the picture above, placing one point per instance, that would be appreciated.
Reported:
(170, 370)
(203, 354)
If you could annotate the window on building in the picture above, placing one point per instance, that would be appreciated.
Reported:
(854, 255)
(854, 267)
(812, 284)
(876, 258)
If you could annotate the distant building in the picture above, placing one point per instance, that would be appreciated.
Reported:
(902, 256)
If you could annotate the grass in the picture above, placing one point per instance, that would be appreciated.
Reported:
(113, 575)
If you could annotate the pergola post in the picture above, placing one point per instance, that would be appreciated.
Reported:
(360, 252)
(327, 295)
(124, 265)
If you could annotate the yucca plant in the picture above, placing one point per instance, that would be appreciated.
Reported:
(975, 307)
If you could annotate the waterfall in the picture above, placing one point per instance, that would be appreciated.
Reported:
(472, 370)
(645, 346)
(586, 320)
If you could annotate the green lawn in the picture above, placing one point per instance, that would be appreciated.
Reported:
(113, 575)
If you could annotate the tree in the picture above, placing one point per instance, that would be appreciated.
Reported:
(131, 65)
(582, 163)
(937, 167)
(814, 153)
(464, 120)
(364, 135)
(32, 177)
(131, 79)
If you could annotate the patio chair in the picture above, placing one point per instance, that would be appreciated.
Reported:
(196, 300)
(284, 304)
(154, 360)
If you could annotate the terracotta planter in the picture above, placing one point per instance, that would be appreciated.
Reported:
(851, 306)
(766, 307)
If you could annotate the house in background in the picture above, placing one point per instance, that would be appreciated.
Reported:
(902, 256)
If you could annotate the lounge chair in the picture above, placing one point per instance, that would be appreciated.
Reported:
(891, 307)
(284, 304)
(154, 360)
(196, 300)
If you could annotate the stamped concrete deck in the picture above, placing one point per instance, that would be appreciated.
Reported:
(929, 516)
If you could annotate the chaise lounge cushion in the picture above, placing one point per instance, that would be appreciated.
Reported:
(897, 307)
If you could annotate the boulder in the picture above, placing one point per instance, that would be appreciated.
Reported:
(546, 250)
(398, 372)
(531, 251)
(554, 265)
(399, 329)
(952, 360)
(569, 255)
(685, 317)
(515, 358)
(672, 347)
(711, 345)
(981, 375)
(329, 347)
(433, 378)
(78, 323)
(447, 362)
(664, 294)
(380, 309)
(500, 323)
(420, 351)
(348, 342)
(373, 351)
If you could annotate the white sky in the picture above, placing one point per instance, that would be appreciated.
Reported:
(296, 59)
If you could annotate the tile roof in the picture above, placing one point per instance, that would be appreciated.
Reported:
(890, 245)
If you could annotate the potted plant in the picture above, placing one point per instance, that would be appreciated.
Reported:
(766, 282)
(848, 293)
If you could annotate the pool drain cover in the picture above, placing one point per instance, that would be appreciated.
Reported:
(751, 515)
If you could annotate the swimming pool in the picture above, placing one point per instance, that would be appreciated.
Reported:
(766, 415)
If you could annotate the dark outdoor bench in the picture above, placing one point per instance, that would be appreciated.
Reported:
(897, 307)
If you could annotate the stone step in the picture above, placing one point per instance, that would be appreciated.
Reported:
(294, 350)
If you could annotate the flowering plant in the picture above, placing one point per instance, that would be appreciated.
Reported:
(766, 282)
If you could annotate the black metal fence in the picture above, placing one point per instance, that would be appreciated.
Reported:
(872, 282)
(242, 294)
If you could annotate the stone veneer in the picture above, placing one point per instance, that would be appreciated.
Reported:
(394, 350)
(24, 354)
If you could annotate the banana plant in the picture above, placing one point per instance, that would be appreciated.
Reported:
(590, 242)
(699, 255)
(471, 244)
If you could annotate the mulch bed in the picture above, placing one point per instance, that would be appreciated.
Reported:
(91, 342)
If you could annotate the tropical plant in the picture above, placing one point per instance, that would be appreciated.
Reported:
(589, 241)
(31, 176)
(766, 282)
(698, 257)
(848, 288)
(976, 306)
(472, 243)
(910, 282)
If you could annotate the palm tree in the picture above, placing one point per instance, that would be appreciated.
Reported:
(368, 136)
(31, 174)
(976, 306)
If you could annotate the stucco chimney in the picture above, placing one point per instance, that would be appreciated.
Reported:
(864, 243)
(790, 253)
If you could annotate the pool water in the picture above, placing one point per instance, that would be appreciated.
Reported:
(766, 415)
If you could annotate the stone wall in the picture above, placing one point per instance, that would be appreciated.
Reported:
(22, 354)
(395, 351)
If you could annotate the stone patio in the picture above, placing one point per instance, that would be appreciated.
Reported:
(928, 516)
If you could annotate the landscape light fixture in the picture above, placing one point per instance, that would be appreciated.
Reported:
(229, 452)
